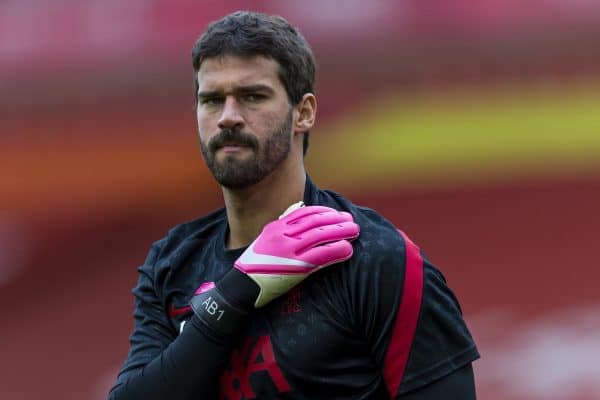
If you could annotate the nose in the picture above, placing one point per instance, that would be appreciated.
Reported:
(231, 117)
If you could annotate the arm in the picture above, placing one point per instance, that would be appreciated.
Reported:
(176, 373)
(415, 325)
(163, 365)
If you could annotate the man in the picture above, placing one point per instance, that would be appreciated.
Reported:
(265, 300)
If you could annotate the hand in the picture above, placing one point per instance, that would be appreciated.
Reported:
(302, 241)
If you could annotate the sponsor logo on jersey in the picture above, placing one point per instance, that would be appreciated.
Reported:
(256, 355)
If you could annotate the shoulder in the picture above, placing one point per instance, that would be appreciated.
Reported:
(366, 217)
(379, 239)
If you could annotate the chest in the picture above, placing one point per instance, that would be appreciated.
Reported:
(302, 345)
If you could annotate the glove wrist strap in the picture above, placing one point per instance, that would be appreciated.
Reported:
(217, 313)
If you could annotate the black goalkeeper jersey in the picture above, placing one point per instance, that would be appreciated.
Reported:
(345, 332)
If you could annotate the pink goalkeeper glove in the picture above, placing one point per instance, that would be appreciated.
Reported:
(302, 241)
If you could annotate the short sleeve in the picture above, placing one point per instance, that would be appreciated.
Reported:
(410, 318)
(442, 343)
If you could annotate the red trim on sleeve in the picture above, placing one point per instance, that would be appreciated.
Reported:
(175, 312)
(406, 318)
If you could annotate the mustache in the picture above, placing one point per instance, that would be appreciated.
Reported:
(232, 136)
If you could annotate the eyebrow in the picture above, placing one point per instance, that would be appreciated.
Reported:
(237, 90)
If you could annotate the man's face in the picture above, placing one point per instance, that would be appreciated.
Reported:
(244, 119)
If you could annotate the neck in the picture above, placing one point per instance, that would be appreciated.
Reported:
(250, 209)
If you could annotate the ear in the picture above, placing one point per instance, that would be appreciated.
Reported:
(306, 111)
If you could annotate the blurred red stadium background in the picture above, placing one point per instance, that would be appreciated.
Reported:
(473, 126)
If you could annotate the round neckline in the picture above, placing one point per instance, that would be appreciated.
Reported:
(223, 253)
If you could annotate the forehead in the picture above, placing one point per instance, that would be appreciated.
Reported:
(228, 72)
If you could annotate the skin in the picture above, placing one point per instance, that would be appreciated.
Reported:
(245, 93)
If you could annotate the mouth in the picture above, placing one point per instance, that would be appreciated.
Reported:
(232, 147)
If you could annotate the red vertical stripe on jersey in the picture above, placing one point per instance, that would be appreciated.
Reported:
(406, 318)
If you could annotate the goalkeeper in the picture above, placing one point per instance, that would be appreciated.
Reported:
(289, 291)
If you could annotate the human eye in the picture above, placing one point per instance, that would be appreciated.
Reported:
(254, 97)
(210, 100)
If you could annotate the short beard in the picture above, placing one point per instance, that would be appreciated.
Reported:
(265, 158)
